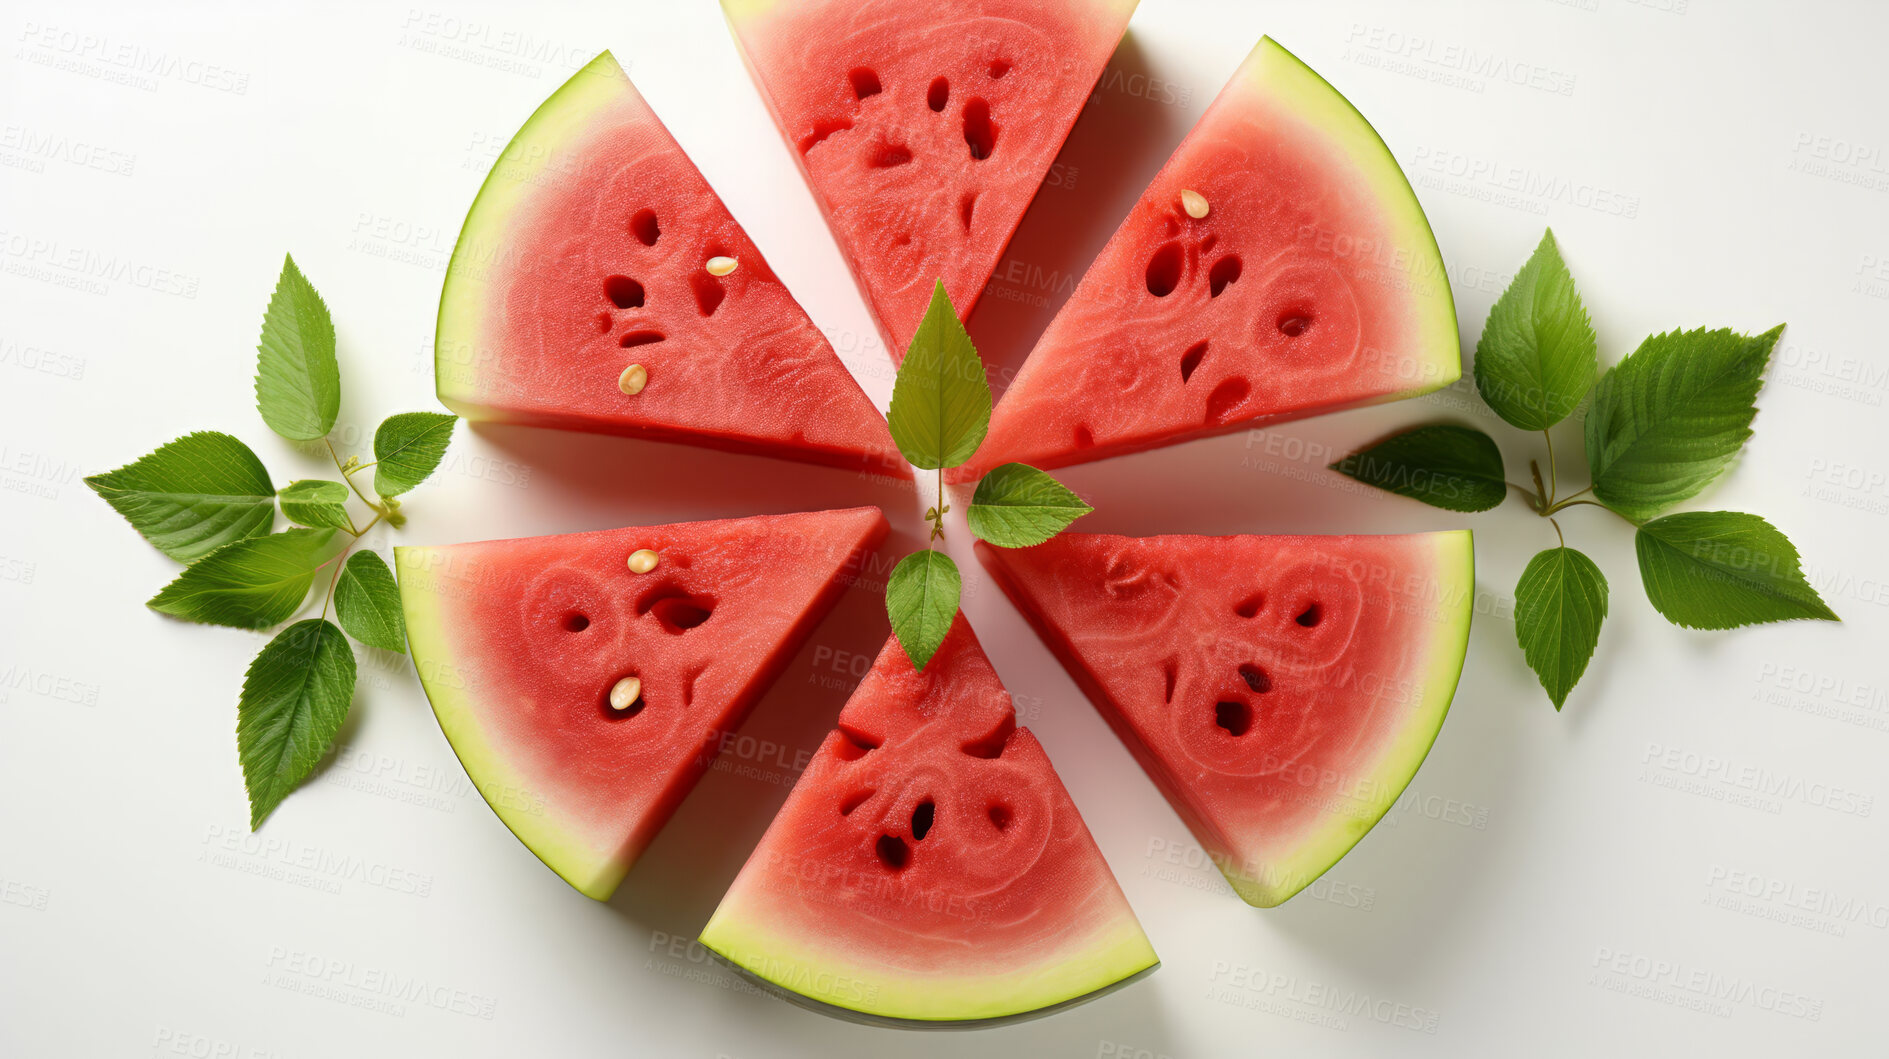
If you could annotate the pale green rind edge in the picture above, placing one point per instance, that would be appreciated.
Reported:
(868, 1019)
(1276, 72)
(559, 847)
(465, 300)
(1455, 564)
(767, 956)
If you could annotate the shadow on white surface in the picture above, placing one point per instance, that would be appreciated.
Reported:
(1116, 147)
(1430, 865)
(629, 481)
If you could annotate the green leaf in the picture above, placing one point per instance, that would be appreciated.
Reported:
(316, 502)
(1723, 569)
(1559, 605)
(1016, 506)
(941, 399)
(193, 495)
(295, 696)
(409, 447)
(1668, 419)
(367, 602)
(1535, 360)
(250, 584)
(921, 598)
(1451, 467)
(298, 383)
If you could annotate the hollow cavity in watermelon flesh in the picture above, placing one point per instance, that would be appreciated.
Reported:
(588, 251)
(1311, 283)
(929, 866)
(924, 129)
(1280, 691)
(522, 643)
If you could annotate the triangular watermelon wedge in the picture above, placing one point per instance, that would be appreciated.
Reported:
(1281, 691)
(525, 647)
(1278, 266)
(924, 128)
(928, 866)
(595, 246)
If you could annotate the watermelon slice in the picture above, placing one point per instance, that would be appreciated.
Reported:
(925, 129)
(529, 650)
(596, 246)
(1281, 691)
(929, 866)
(1278, 266)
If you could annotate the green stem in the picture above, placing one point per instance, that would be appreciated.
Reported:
(1553, 476)
(337, 560)
(380, 515)
(332, 578)
(347, 476)
(937, 526)
(1571, 502)
(1557, 532)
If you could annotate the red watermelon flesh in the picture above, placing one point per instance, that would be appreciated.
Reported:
(592, 247)
(1280, 691)
(929, 865)
(1310, 283)
(520, 643)
(925, 128)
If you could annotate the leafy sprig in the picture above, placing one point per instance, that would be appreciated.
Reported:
(207, 501)
(1663, 424)
(940, 413)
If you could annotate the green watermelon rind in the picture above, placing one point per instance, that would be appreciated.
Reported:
(460, 343)
(1277, 81)
(1329, 116)
(868, 1018)
(793, 972)
(799, 920)
(1456, 565)
(503, 787)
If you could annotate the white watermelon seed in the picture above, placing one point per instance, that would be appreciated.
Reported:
(625, 692)
(1194, 203)
(721, 266)
(633, 379)
(643, 560)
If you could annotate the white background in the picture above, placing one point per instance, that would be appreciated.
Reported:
(1568, 884)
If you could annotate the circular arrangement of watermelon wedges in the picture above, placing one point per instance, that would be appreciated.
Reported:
(928, 867)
